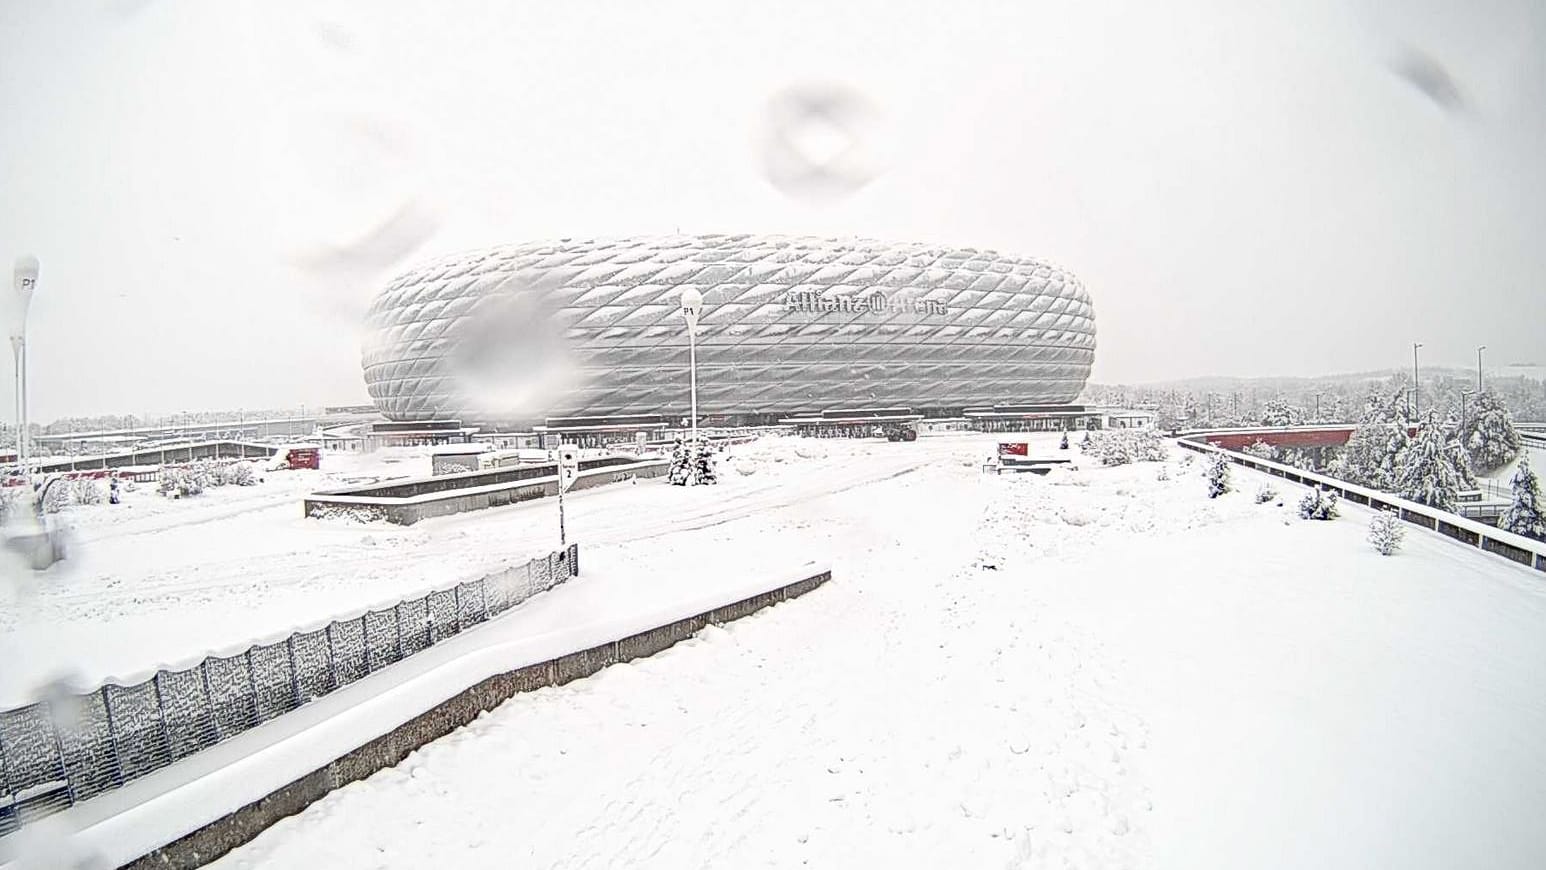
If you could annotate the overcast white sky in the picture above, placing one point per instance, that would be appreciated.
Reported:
(1245, 188)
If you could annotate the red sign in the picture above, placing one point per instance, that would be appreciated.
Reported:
(304, 457)
(1016, 449)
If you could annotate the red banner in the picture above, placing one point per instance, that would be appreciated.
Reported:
(1016, 449)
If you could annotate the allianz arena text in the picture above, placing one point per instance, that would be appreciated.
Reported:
(790, 325)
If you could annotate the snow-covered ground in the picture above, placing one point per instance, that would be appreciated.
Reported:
(1095, 669)
(156, 581)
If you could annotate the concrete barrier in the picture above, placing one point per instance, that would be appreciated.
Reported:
(237, 828)
(405, 503)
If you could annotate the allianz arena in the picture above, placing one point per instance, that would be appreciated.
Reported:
(592, 328)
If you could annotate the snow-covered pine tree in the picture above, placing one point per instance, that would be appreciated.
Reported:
(1428, 474)
(1374, 454)
(1218, 475)
(1277, 412)
(1385, 533)
(1523, 516)
(1459, 459)
(1490, 438)
(1318, 504)
(680, 471)
(703, 464)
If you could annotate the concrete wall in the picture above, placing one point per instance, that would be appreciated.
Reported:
(219, 837)
(524, 484)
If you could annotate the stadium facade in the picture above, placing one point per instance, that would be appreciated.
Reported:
(592, 328)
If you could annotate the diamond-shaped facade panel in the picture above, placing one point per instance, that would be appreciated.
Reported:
(592, 328)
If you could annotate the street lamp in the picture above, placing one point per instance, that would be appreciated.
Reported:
(1416, 400)
(1465, 396)
(25, 281)
(692, 307)
(1479, 367)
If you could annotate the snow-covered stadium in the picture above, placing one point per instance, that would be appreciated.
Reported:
(790, 325)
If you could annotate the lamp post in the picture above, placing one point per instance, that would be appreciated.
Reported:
(1479, 350)
(1465, 395)
(692, 307)
(25, 278)
(1416, 399)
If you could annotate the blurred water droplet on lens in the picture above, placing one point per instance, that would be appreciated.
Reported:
(1425, 73)
(818, 141)
(333, 35)
(513, 361)
(380, 247)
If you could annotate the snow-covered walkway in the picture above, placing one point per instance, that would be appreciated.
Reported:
(1092, 669)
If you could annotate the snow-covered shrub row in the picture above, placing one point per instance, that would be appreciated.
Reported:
(348, 513)
(1265, 493)
(1261, 450)
(1122, 446)
(1318, 504)
(1385, 533)
(188, 480)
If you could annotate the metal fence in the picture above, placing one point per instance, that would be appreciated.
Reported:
(56, 753)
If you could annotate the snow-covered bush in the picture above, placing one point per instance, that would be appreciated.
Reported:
(1261, 450)
(1122, 446)
(84, 490)
(56, 496)
(1385, 533)
(1187, 458)
(1523, 516)
(1298, 459)
(10, 503)
(1218, 475)
(1318, 504)
(1265, 493)
(179, 482)
(240, 474)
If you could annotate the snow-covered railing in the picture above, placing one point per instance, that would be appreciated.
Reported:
(1518, 548)
(58, 752)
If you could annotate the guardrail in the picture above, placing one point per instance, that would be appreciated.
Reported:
(1517, 548)
(56, 753)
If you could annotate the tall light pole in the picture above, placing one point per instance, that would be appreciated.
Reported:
(1416, 399)
(692, 307)
(25, 278)
(1479, 350)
